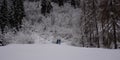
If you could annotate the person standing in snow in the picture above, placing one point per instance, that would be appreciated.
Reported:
(58, 41)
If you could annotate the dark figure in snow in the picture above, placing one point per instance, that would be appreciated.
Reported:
(46, 7)
(58, 41)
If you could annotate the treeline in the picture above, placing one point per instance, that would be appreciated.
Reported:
(99, 23)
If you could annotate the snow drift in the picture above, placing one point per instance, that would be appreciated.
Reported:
(55, 52)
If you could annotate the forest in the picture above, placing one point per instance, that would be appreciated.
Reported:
(81, 23)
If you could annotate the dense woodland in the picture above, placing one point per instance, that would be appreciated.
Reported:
(99, 23)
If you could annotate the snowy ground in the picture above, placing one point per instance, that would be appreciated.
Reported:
(55, 52)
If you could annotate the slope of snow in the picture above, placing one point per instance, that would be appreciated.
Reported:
(55, 52)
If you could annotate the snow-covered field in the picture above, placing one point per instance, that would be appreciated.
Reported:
(55, 52)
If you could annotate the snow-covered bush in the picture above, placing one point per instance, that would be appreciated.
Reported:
(62, 23)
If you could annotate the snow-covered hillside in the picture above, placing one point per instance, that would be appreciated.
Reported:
(55, 52)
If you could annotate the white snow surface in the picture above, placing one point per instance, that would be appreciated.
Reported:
(55, 52)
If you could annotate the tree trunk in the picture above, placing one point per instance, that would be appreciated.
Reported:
(90, 40)
(114, 35)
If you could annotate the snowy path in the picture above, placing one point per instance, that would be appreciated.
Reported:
(55, 52)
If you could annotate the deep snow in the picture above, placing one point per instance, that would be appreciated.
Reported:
(55, 52)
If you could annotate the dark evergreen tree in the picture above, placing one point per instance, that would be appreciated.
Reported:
(32, 0)
(73, 3)
(43, 7)
(3, 20)
(19, 13)
(49, 7)
(55, 1)
(46, 7)
(3, 16)
(61, 2)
